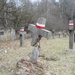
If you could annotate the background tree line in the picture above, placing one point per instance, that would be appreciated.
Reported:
(57, 13)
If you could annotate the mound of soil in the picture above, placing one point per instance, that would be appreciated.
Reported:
(25, 67)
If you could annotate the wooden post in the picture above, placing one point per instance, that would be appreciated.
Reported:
(70, 39)
(22, 32)
(21, 40)
(35, 54)
(59, 33)
(53, 33)
(64, 33)
(74, 36)
(71, 27)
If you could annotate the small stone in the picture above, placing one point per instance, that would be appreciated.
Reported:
(5, 51)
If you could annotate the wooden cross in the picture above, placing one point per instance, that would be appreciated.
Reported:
(38, 32)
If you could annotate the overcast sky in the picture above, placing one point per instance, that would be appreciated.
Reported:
(57, 0)
(19, 3)
(31, 0)
(39, 0)
(18, 0)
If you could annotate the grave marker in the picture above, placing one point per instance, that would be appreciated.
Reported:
(71, 29)
(1, 32)
(53, 33)
(38, 32)
(21, 32)
(74, 36)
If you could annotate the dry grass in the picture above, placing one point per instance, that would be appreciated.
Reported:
(61, 62)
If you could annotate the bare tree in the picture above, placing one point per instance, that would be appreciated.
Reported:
(3, 13)
(57, 14)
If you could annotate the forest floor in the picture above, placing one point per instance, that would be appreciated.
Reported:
(59, 60)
